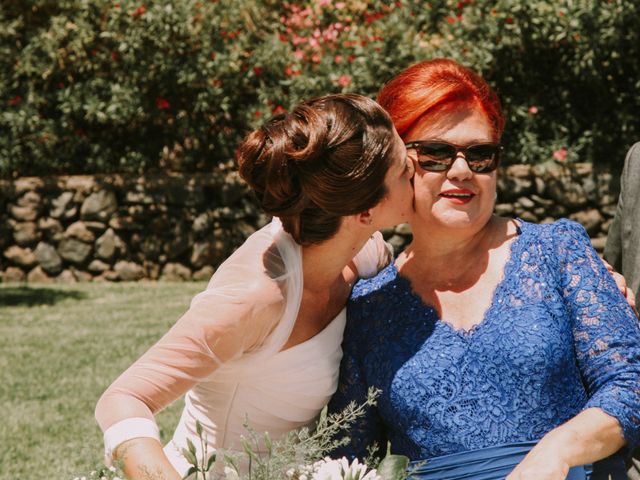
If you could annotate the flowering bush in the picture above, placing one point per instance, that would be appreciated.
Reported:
(134, 85)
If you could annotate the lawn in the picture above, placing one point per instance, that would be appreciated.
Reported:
(60, 348)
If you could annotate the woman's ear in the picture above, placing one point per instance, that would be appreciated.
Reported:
(364, 218)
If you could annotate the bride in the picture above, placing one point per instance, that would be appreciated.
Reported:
(263, 340)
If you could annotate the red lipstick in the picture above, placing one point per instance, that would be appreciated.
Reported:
(458, 196)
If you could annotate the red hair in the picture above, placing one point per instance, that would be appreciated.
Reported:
(434, 88)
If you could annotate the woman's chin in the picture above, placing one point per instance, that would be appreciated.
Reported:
(461, 219)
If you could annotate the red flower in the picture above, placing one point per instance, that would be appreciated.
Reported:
(451, 19)
(278, 109)
(162, 103)
(508, 20)
(115, 56)
(14, 101)
(257, 114)
(139, 11)
(560, 155)
(344, 80)
(290, 72)
(258, 71)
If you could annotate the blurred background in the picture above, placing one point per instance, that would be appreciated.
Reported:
(91, 86)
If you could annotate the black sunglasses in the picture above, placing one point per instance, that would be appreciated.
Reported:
(438, 156)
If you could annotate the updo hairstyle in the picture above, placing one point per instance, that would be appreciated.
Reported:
(324, 160)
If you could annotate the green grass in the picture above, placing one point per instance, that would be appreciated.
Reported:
(60, 347)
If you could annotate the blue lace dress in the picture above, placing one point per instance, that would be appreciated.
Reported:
(558, 338)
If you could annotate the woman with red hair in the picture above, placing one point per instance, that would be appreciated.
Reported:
(507, 349)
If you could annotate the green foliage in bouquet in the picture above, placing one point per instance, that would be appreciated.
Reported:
(106, 85)
(300, 454)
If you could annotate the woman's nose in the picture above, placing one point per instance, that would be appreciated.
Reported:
(460, 168)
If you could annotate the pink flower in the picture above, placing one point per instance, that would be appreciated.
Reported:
(338, 59)
(340, 5)
(344, 80)
(533, 109)
(315, 58)
(162, 103)
(560, 155)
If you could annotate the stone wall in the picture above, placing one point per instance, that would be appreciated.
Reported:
(118, 228)
(180, 227)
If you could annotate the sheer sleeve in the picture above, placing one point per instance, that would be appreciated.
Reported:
(241, 306)
(373, 257)
(605, 330)
(352, 387)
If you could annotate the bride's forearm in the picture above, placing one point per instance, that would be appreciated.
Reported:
(144, 459)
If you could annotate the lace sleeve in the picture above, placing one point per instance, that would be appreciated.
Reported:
(374, 256)
(352, 388)
(605, 330)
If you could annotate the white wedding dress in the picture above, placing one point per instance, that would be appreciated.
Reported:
(226, 354)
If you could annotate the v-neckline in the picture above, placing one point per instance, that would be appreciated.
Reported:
(507, 270)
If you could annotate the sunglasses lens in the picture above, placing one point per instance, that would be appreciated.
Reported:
(435, 157)
(482, 158)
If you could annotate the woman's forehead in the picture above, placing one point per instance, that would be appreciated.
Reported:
(462, 124)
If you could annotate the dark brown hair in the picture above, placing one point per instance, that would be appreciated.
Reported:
(325, 159)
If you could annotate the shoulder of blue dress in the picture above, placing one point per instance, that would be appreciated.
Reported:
(368, 286)
(549, 232)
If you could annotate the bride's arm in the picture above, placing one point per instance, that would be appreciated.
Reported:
(144, 459)
(218, 327)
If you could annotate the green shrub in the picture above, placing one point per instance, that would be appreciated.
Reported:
(102, 86)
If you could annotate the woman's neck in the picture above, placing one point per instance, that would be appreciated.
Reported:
(449, 251)
(324, 263)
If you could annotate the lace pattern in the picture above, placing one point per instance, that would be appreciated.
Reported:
(558, 338)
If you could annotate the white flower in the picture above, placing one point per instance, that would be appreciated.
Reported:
(329, 469)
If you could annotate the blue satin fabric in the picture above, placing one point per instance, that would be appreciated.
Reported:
(492, 463)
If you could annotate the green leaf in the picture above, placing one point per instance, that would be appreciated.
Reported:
(268, 443)
(190, 472)
(191, 458)
(393, 467)
(211, 461)
(192, 447)
(199, 428)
